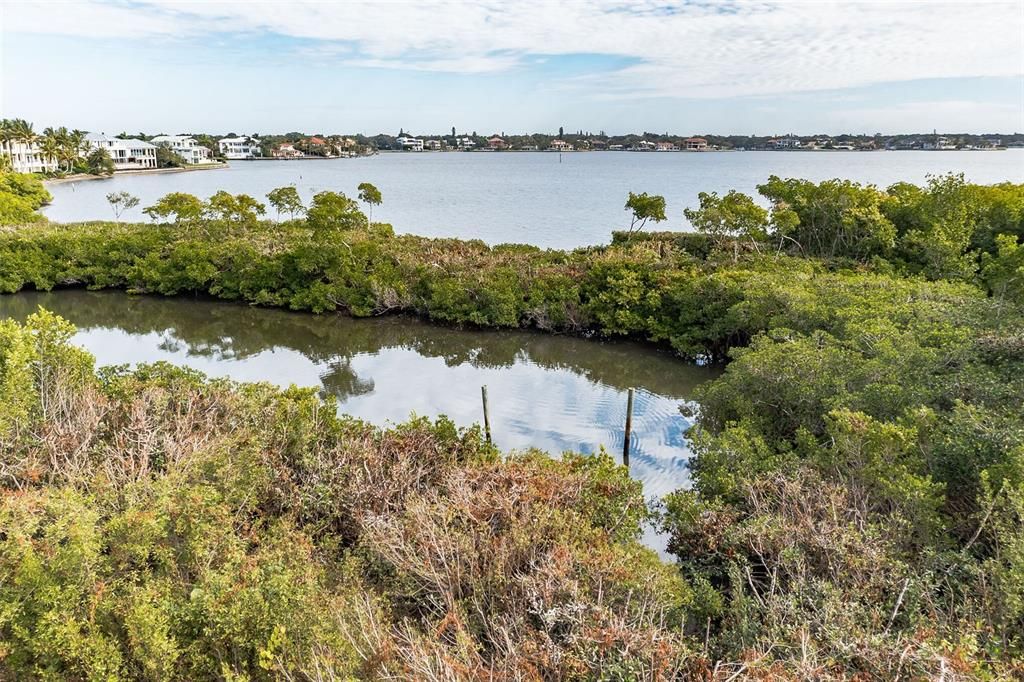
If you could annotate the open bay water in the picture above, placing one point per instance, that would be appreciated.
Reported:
(547, 199)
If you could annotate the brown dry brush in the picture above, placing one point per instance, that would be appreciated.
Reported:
(440, 559)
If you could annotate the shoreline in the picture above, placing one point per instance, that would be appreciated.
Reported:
(141, 171)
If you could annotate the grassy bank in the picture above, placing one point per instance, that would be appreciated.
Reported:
(858, 489)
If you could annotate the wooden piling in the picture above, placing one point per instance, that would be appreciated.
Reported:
(487, 416)
(629, 428)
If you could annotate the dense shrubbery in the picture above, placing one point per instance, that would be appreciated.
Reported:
(858, 498)
(21, 194)
(157, 525)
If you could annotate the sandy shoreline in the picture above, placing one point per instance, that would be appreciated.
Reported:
(145, 171)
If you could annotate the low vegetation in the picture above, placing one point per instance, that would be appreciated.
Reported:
(857, 507)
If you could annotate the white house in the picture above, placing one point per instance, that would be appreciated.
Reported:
(240, 148)
(411, 143)
(28, 158)
(432, 145)
(784, 143)
(185, 147)
(465, 143)
(129, 154)
(560, 146)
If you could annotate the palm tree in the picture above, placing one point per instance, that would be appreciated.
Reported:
(79, 144)
(49, 145)
(6, 139)
(21, 132)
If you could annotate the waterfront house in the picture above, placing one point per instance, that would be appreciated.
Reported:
(496, 142)
(784, 143)
(665, 147)
(695, 144)
(433, 145)
(28, 157)
(465, 143)
(643, 146)
(560, 146)
(240, 148)
(615, 147)
(127, 154)
(286, 150)
(184, 146)
(938, 143)
(412, 144)
(597, 145)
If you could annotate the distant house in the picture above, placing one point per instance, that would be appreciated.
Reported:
(286, 150)
(665, 147)
(184, 146)
(128, 154)
(597, 144)
(695, 144)
(432, 145)
(784, 143)
(240, 148)
(529, 148)
(496, 142)
(560, 146)
(28, 157)
(412, 144)
(465, 143)
(938, 143)
(643, 146)
(615, 147)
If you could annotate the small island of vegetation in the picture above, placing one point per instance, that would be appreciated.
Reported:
(857, 507)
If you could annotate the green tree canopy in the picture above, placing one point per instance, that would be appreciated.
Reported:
(333, 211)
(734, 216)
(645, 207)
(120, 202)
(179, 206)
(285, 200)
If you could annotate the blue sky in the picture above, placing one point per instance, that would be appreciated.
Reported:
(534, 65)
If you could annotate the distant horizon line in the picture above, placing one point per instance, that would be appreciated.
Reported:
(577, 133)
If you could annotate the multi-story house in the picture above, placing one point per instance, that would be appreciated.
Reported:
(27, 157)
(413, 144)
(184, 146)
(127, 154)
(240, 148)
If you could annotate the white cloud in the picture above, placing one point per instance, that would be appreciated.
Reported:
(699, 50)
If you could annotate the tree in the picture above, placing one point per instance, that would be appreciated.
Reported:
(99, 162)
(185, 208)
(561, 132)
(285, 200)
(830, 219)
(368, 194)
(235, 208)
(333, 211)
(734, 216)
(453, 131)
(168, 158)
(121, 202)
(645, 207)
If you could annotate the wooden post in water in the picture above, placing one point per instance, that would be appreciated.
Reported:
(629, 428)
(487, 417)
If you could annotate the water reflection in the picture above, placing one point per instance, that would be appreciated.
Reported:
(554, 393)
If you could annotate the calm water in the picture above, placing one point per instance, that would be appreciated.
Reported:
(551, 392)
(533, 198)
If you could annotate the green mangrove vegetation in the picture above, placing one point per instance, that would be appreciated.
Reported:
(857, 508)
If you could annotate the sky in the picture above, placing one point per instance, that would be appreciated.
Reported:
(619, 66)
